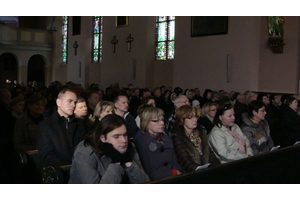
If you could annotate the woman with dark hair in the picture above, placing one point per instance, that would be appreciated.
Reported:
(156, 149)
(291, 122)
(190, 140)
(106, 156)
(256, 128)
(226, 139)
(206, 97)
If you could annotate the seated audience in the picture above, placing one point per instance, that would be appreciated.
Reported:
(275, 124)
(59, 134)
(196, 104)
(208, 113)
(80, 108)
(17, 106)
(26, 127)
(135, 101)
(92, 100)
(226, 139)
(291, 122)
(156, 150)
(106, 156)
(81, 111)
(240, 107)
(256, 128)
(190, 140)
(145, 101)
(102, 109)
(121, 105)
(206, 97)
(178, 102)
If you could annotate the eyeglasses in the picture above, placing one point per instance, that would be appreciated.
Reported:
(157, 120)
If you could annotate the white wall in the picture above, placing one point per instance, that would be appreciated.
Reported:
(199, 61)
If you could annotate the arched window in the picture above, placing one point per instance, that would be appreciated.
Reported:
(97, 39)
(65, 39)
(165, 37)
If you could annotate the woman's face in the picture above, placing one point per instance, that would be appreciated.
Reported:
(294, 105)
(156, 125)
(190, 123)
(107, 111)
(118, 138)
(212, 111)
(80, 109)
(37, 108)
(19, 107)
(208, 95)
(227, 118)
(260, 114)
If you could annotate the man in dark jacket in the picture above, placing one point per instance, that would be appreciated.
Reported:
(121, 104)
(58, 135)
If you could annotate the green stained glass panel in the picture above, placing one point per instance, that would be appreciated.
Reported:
(171, 50)
(162, 31)
(65, 39)
(161, 51)
(171, 35)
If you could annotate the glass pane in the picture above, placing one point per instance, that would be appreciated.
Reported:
(96, 53)
(161, 51)
(171, 35)
(171, 50)
(161, 18)
(171, 17)
(162, 31)
(96, 26)
(96, 41)
(65, 39)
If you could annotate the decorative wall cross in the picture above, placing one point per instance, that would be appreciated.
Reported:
(75, 46)
(129, 39)
(114, 41)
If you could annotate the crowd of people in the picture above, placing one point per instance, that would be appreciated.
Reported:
(137, 135)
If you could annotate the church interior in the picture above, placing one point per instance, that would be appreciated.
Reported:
(240, 59)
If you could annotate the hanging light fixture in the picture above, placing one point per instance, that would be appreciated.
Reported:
(52, 26)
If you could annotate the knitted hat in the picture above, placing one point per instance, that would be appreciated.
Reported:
(195, 103)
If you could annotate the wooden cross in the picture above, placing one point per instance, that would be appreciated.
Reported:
(75, 46)
(129, 39)
(114, 41)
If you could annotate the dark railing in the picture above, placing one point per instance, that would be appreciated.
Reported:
(278, 167)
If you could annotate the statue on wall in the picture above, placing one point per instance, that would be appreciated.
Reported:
(276, 26)
(275, 40)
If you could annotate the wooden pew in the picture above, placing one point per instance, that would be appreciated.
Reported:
(31, 166)
(277, 167)
(56, 175)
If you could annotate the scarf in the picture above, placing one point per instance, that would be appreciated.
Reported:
(242, 146)
(196, 140)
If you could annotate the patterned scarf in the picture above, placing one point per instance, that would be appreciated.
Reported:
(242, 146)
(196, 140)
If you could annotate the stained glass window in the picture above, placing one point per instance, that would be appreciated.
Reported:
(97, 39)
(65, 39)
(165, 37)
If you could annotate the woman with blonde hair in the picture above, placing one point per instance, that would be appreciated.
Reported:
(102, 109)
(208, 113)
(156, 149)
